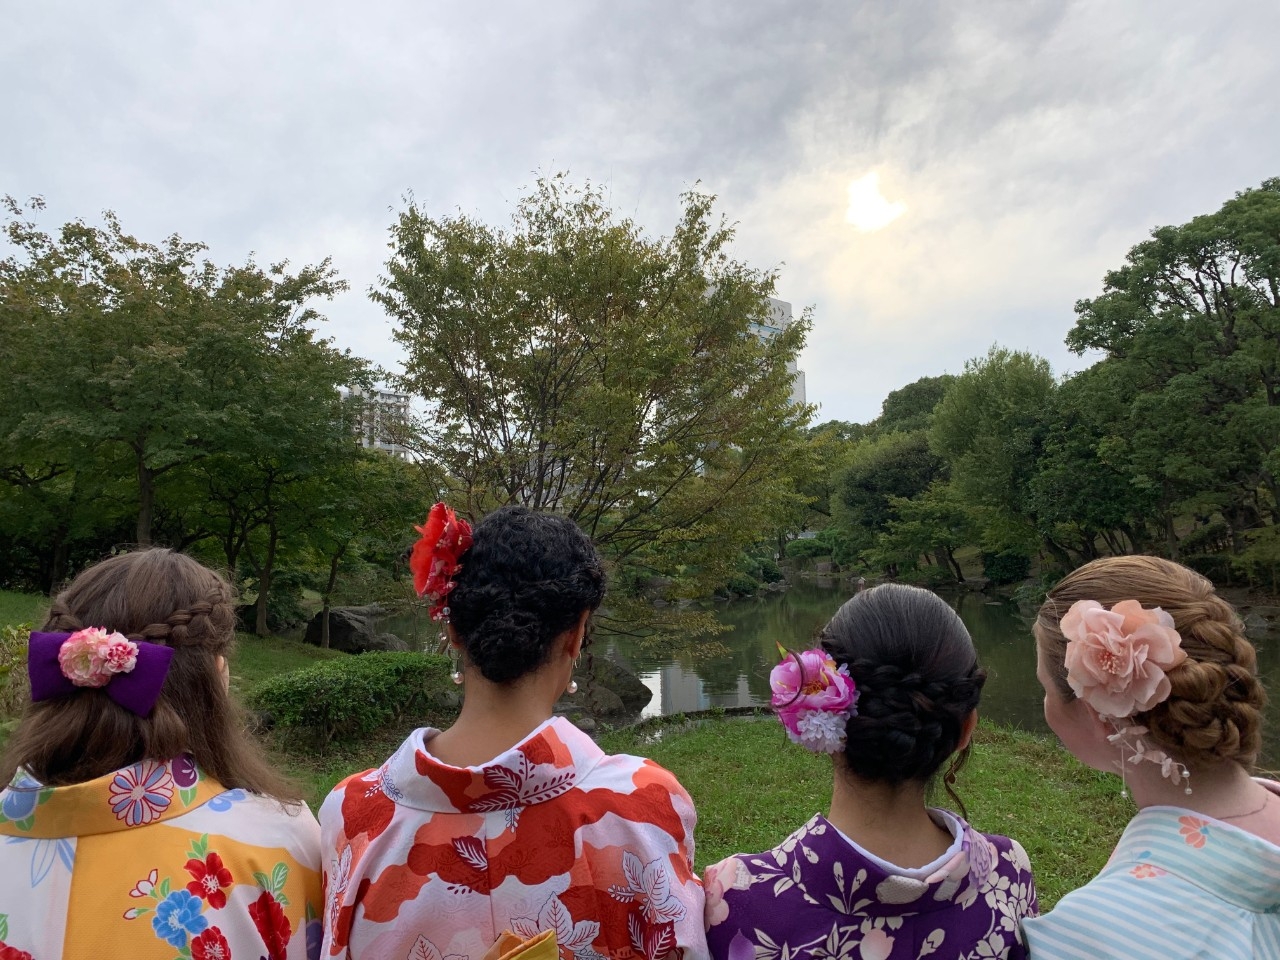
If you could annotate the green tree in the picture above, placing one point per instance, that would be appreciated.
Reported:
(989, 428)
(117, 345)
(1192, 320)
(573, 363)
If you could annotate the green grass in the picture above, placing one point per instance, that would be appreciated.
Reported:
(752, 788)
(16, 608)
(254, 659)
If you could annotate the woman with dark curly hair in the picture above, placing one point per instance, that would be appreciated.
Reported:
(1147, 673)
(512, 820)
(891, 694)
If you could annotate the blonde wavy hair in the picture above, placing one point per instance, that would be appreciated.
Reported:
(1215, 708)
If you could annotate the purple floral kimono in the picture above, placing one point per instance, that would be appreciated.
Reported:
(818, 895)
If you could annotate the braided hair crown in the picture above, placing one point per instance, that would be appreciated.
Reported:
(918, 680)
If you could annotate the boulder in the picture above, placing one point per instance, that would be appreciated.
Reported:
(622, 680)
(354, 630)
(613, 690)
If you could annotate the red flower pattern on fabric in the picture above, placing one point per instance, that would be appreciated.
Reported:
(1147, 871)
(13, 953)
(434, 560)
(210, 945)
(1194, 830)
(210, 878)
(269, 917)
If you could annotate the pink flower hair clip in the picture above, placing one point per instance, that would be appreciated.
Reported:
(92, 656)
(814, 698)
(1117, 662)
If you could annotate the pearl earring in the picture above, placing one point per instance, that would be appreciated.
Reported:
(456, 676)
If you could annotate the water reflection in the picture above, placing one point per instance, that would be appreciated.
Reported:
(739, 677)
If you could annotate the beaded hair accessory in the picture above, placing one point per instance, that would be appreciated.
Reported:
(131, 674)
(814, 698)
(1117, 661)
(434, 561)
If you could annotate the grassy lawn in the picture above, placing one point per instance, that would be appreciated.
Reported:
(16, 608)
(752, 788)
(254, 658)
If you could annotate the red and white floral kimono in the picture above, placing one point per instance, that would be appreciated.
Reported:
(425, 861)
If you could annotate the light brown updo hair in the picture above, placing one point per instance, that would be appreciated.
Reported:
(1214, 709)
(163, 597)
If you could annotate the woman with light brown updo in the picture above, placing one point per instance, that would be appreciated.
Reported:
(1147, 673)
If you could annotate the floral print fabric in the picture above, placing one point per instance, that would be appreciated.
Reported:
(431, 862)
(1179, 885)
(817, 896)
(156, 861)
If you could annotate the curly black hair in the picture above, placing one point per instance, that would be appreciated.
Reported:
(527, 578)
(917, 676)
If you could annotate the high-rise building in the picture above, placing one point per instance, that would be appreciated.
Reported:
(383, 414)
(778, 320)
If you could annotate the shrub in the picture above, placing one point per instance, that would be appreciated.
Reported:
(807, 549)
(1008, 566)
(1216, 566)
(13, 673)
(742, 585)
(350, 697)
(769, 572)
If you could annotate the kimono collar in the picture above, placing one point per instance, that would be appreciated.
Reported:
(1229, 863)
(808, 855)
(134, 796)
(550, 761)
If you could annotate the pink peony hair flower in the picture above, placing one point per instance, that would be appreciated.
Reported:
(814, 698)
(92, 656)
(1117, 659)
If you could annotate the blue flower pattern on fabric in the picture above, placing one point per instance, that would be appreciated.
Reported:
(20, 801)
(46, 853)
(223, 801)
(177, 917)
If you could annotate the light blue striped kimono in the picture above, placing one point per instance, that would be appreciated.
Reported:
(1179, 886)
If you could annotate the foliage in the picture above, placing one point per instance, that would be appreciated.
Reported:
(572, 363)
(1006, 567)
(808, 548)
(350, 697)
(14, 688)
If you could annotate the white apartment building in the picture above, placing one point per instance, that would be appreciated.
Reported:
(779, 319)
(381, 411)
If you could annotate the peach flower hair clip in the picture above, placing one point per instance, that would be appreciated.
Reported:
(1117, 662)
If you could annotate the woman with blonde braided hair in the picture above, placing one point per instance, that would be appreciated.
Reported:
(139, 816)
(1147, 673)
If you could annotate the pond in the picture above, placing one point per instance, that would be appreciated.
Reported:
(739, 677)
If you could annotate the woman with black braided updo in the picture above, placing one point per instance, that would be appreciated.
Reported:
(891, 693)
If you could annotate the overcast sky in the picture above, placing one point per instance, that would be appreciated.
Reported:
(1002, 155)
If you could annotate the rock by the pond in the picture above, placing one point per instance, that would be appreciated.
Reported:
(612, 690)
(354, 630)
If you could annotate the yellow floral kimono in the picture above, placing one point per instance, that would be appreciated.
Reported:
(156, 860)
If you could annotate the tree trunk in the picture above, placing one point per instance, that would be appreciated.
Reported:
(951, 562)
(146, 500)
(328, 591)
(264, 583)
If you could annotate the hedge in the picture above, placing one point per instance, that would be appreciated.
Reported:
(351, 697)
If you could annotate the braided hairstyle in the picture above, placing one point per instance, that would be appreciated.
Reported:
(154, 596)
(527, 578)
(918, 680)
(1214, 708)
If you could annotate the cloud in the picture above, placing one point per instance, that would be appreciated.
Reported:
(1033, 142)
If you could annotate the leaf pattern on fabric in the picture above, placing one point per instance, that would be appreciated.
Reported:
(513, 789)
(424, 949)
(573, 939)
(648, 885)
(471, 849)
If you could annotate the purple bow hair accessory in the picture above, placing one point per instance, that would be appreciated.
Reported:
(135, 687)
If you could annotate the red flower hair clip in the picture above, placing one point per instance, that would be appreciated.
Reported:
(434, 560)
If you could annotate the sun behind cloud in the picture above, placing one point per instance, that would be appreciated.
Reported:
(868, 209)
